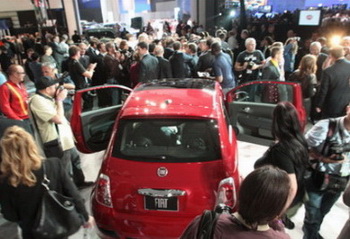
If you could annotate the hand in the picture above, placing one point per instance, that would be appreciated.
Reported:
(61, 95)
(331, 158)
(318, 110)
(90, 223)
(255, 66)
(245, 65)
(92, 66)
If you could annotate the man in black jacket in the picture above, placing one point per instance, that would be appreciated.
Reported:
(334, 93)
(149, 66)
(164, 64)
(179, 62)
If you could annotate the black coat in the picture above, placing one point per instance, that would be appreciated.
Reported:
(21, 204)
(164, 68)
(179, 62)
(205, 62)
(334, 92)
(149, 68)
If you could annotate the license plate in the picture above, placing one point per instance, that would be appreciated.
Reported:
(161, 203)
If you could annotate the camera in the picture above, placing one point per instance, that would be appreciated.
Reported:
(337, 149)
(250, 65)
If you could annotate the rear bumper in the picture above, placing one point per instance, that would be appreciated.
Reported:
(114, 225)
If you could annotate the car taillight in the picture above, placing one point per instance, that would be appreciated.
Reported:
(103, 191)
(227, 193)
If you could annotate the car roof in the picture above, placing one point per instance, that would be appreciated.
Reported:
(174, 97)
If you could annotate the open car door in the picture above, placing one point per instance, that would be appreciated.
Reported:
(94, 112)
(250, 106)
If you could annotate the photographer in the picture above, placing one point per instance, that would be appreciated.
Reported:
(329, 143)
(47, 112)
(65, 81)
(249, 62)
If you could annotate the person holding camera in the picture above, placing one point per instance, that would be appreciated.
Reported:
(47, 112)
(329, 149)
(249, 62)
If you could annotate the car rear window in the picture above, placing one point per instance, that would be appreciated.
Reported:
(167, 140)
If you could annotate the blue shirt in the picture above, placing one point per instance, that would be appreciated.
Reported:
(223, 67)
(2, 78)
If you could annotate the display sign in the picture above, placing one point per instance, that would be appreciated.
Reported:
(310, 18)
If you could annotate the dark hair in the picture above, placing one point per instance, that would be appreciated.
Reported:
(177, 45)
(35, 56)
(151, 47)
(99, 45)
(215, 47)
(263, 195)
(73, 50)
(193, 47)
(286, 128)
(94, 42)
(143, 45)
(209, 41)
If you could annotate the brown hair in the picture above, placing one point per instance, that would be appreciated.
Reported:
(307, 65)
(263, 195)
(20, 156)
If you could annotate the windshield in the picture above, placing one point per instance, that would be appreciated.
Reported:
(167, 140)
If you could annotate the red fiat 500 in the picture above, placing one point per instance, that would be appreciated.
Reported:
(171, 151)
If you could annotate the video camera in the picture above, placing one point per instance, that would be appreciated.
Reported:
(337, 149)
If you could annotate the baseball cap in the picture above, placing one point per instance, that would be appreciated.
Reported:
(45, 82)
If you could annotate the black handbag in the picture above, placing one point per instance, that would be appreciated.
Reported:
(57, 216)
(53, 148)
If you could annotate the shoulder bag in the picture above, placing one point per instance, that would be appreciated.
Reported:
(57, 216)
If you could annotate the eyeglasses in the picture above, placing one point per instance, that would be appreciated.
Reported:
(21, 73)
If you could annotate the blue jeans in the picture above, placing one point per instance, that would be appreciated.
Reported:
(318, 205)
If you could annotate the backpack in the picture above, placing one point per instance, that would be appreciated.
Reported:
(207, 222)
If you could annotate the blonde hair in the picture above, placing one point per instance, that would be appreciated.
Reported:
(20, 157)
(307, 65)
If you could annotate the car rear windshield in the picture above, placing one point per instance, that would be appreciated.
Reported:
(167, 140)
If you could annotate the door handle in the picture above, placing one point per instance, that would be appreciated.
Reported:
(161, 192)
(246, 109)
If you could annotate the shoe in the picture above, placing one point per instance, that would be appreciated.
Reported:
(85, 185)
(288, 223)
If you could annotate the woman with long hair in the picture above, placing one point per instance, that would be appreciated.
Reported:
(262, 199)
(21, 170)
(306, 76)
(290, 51)
(289, 153)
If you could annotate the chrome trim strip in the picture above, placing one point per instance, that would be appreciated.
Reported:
(161, 192)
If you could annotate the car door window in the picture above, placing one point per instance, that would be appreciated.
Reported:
(251, 106)
(94, 115)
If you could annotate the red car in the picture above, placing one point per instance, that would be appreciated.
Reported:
(171, 153)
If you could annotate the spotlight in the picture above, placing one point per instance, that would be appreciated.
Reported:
(232, 13)
(335, 40)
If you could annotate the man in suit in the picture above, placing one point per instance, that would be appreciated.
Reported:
(334, 93)
(271, 71)
(179, 62)
(206, 59)
(149, 65)
(168, 50)
(164, 64)
(315, 49)
(92, 51)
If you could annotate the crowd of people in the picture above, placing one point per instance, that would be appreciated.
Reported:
(230, 58)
